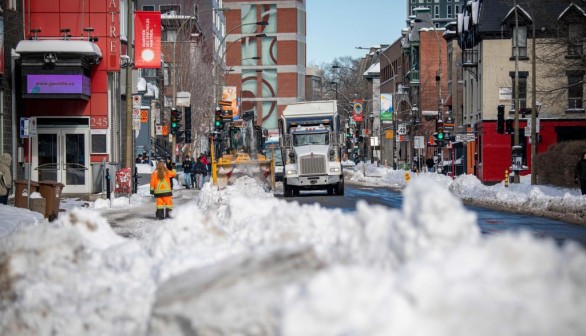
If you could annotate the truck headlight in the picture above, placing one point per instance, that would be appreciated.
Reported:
(291, 172)
(335, 170)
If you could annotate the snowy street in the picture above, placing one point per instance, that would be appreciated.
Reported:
(241, 261)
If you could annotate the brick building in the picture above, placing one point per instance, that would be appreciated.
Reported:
(267, 62)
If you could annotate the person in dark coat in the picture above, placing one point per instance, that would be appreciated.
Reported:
(187, 167)
(429, 163)
(200, 170)
(580, 174)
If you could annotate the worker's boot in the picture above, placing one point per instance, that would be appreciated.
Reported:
(160, 214)
(168, 215)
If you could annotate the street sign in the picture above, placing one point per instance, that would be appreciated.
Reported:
(24, 128)
(465, 137)
(144, 116)
(136, 101)
(389, 134)
(419, 142)
(374, 141)
(402, 129)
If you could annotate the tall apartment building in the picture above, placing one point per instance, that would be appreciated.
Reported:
(266, 62)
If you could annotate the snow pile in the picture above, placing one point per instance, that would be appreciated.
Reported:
(507, 285)
(240, 261)
(13, 217)
(72, 276)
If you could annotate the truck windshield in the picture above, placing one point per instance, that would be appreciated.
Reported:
(305, 139)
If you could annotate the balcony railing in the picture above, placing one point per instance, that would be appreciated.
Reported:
(470, 58)
(414, 76)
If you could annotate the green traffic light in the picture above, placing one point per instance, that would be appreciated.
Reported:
(174, 124)
(440, 136)
(218, 124)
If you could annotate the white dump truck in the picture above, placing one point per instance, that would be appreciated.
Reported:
(310, 144)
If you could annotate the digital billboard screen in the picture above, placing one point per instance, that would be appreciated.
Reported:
(48, 85)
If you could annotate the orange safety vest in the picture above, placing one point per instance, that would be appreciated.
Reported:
(162, 188)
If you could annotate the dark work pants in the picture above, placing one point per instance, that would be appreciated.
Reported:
(582, 181)
(4, 199)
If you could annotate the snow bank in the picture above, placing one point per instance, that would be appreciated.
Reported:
(242, 261)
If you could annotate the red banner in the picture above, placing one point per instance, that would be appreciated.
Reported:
(147, 38)
(357, 110)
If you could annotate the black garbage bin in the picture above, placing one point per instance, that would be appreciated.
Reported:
(21, 192)
(51, 191)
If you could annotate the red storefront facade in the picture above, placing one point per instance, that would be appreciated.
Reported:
(494, 149)
(68, 79)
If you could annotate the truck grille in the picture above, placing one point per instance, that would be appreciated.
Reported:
(312, 165)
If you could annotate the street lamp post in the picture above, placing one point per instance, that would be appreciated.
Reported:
(178, 32)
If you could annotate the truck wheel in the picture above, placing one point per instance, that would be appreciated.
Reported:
(295, 191)
(330, 191)
(340, 188)
(286, 189)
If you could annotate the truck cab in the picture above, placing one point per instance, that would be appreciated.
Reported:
(311, 147)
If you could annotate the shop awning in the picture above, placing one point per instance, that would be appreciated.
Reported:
(84, 48)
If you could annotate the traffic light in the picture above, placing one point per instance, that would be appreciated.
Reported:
(218, 120)
(187, 112)
(187, 136)
(509, 126)
(500, 119)
(440, 130)
(175, 121)
(348, 133)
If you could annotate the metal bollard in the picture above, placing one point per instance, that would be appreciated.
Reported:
(108, 183)
(506, 178)
(135, 184)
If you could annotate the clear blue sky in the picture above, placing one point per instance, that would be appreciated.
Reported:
(336, 27)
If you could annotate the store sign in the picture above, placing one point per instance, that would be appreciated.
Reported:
(147, 30)
(58, 84)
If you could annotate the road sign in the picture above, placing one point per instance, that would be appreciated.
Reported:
(465, 137)
(136, 114)
(419, 142)
(144, 116)
(136, 101)
(389, 134)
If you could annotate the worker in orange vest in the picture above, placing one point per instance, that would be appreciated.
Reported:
(162, 190)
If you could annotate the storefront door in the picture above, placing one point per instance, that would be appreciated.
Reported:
(62, 155)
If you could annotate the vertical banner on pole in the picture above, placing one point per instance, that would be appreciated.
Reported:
(147, 32)
(357, 107)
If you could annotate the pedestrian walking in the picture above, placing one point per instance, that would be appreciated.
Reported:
(5, 178)
(200, 170)
(162, 190)
(187, 168)
(580, 173)
(193, 178)
(429, 163)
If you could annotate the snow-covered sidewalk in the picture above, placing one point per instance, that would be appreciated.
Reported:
(566, 204)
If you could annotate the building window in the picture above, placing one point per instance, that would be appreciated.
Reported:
(449, 11)
(520, 33)
(436, 13)
(522, 89)
(575, 40)
(456, 9)
(170, 9)
(575, 91)
(11, 4)
(413, 10)
(148, 7)
(413, 1)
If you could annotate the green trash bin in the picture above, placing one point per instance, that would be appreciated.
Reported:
(51, 192)
(21, 192)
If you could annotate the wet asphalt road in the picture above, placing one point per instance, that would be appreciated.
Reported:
(490, 221)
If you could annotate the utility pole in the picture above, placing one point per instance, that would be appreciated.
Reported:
(516, 178)
(534, 110)
(129, 143)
